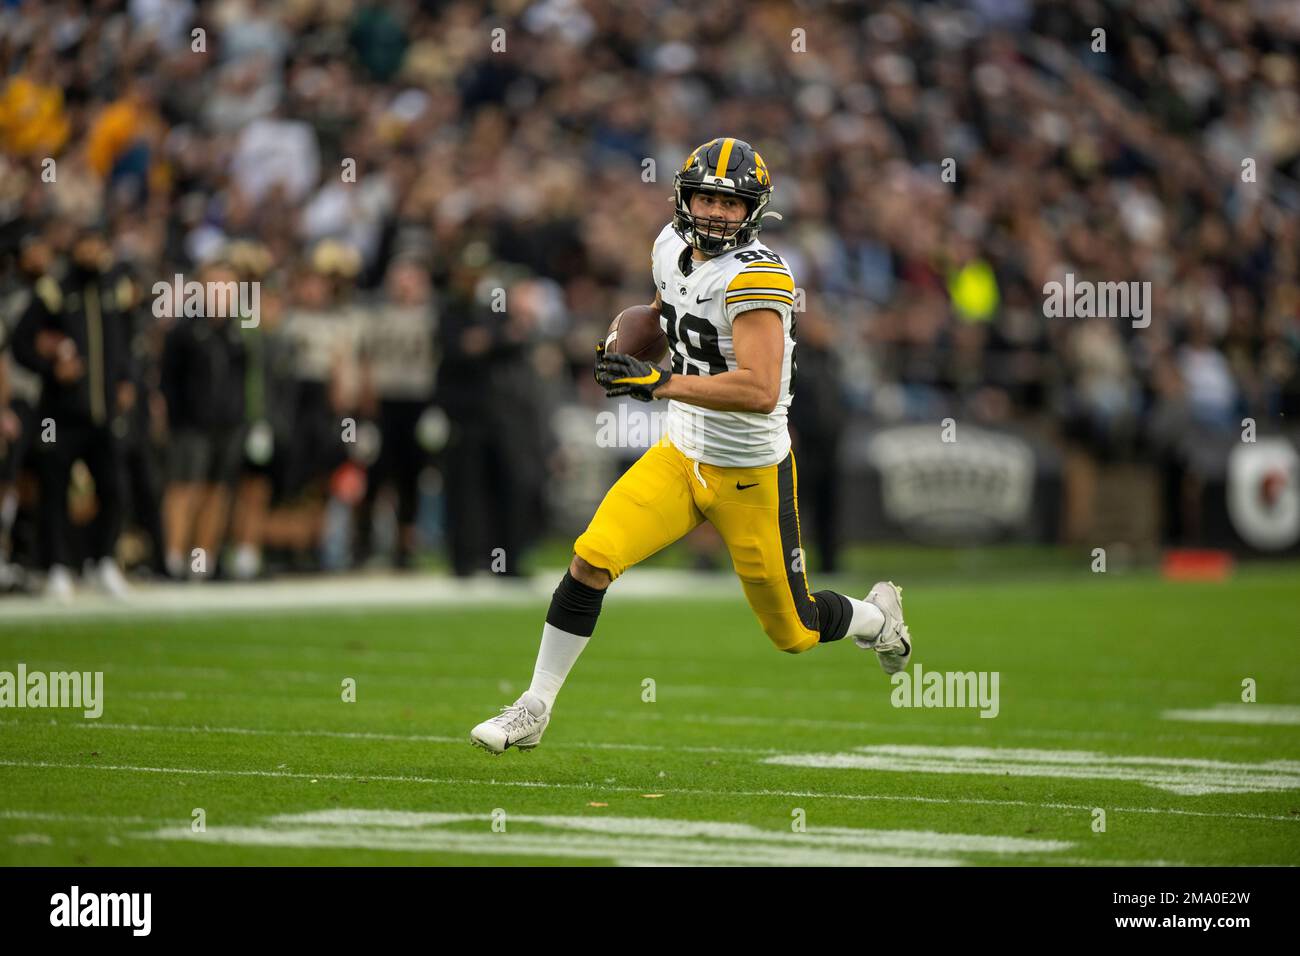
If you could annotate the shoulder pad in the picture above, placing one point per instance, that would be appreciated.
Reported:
(761, 281)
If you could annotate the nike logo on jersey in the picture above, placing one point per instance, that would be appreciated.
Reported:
(740, 487)
(698, 300)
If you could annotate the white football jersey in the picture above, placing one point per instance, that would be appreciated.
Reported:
(696, 315)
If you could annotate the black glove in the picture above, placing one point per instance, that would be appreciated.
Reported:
(620, 374)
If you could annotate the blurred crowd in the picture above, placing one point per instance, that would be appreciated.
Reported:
(443, 204)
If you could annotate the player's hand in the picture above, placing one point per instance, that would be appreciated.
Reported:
(125, 396)
(68, 368)
(11, 426)
(620, 374)
(47, 343)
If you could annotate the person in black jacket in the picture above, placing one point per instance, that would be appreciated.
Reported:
(818, 418)
(203, 384)
(141, 440)
(73, 336)
(493, 463)
(270, 403)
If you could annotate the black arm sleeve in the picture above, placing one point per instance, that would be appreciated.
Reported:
(24, 343)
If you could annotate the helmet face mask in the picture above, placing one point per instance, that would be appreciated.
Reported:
(730, 167)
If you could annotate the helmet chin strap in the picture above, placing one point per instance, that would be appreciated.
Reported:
(718, 240)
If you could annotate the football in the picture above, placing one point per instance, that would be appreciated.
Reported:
(635, 331)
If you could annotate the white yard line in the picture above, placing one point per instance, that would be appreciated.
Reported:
(595, 788)
(357, 592)
(632, 840)
(1287, 714)
(858, 837)
(621, 851)
(655, 851)
(364, 735)
(71, 817)
(395, 817)
(587, 745)
(1184, 776)
(980, 728)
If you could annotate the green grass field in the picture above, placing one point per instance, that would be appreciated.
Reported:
(745, 755)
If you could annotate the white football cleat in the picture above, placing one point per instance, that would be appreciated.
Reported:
(58, 584)
(515, 726)
(893, 645)
(108, 576)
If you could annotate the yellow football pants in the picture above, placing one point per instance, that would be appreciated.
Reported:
(665, 494)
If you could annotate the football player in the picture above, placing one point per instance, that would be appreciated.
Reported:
(726, 304)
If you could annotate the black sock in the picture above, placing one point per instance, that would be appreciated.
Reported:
(575, 606)
(834, 614)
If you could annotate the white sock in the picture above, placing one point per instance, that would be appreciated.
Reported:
(175, 564)
(867, 619)
(247, 562)
(555, 658)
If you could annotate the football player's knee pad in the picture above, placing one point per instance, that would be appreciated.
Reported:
(749, 561)
(600, 552)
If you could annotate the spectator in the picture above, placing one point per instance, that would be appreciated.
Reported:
(74, 335)
(203, 365)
